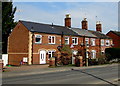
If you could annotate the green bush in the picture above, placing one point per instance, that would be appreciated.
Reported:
(92, 62)
(112, 53)
(66, 55)
(98, 61)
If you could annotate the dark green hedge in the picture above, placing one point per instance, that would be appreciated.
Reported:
(112, 53)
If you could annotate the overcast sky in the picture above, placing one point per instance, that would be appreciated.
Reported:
(54, 12)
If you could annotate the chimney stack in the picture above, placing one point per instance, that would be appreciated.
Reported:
(98, 26)
(84, 24)
(68, 21)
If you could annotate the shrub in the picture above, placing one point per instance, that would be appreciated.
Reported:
(66, 55)
(112, 53)
(65, 61)
(93, 62)
(98, 61)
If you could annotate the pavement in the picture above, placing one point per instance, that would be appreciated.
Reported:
(42, 69)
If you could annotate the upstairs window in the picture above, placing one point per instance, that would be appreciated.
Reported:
(75, 40)
(107, 42)
(87, 42)
(38, 39)
(102, 42)
(67, 40)
(92, 42)
(51, 39)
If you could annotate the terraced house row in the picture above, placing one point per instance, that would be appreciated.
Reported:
(35, 43)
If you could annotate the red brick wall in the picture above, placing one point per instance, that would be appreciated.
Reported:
(18, 44)
(44, 46)
(116, 39)
(15, 59)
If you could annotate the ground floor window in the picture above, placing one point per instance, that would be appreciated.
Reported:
(93, 54)
(102, 52)
(50, 54)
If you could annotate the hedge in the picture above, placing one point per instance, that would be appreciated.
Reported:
(112, 53)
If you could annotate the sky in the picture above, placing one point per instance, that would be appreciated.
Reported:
(54, 12)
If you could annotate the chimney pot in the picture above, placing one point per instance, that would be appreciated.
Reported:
(85, 19)
(67, 15)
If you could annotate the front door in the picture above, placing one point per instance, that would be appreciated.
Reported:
(42, 57)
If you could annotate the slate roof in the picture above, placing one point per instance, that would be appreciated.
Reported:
(116, 32)
(46, 28)
(83, 32)
(55, 29)
(99, 34)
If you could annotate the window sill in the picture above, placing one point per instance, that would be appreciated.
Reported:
(37, 43)
(107, 45)
(93, 45)
(75, 44)
(51, 43)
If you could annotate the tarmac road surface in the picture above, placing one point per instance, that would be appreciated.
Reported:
(96, 75)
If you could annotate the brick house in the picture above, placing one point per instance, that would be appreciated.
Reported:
(35, 43)
(115, 35)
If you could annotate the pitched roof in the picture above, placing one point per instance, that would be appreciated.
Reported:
(46, 28)
(55, 29)
(116, 32)
(83, 32)
(99, 34)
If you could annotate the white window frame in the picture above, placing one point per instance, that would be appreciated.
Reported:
(51, 39)
(50, 52)
(93, 42)
(102, 42)
(38, 36)
(107, 41)
(87, 39)
(73, 40)
(93, 54)
(67, 39)
(102, 52)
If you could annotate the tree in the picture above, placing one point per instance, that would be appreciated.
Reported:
(7, 23)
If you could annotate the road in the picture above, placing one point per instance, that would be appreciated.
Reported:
(98, 75)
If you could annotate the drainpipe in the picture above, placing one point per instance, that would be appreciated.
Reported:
(62, 39)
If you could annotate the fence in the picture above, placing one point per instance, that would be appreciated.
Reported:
(5, 59)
